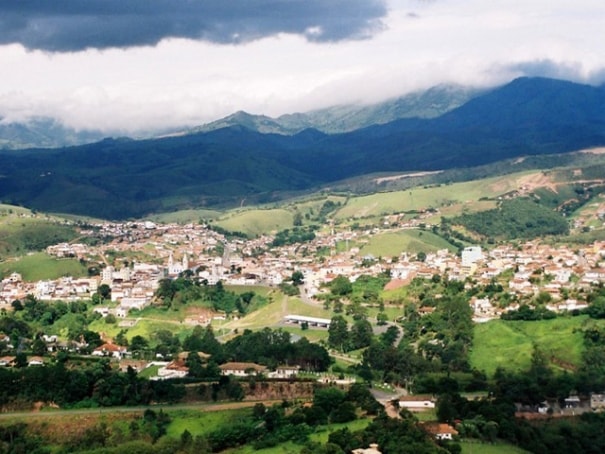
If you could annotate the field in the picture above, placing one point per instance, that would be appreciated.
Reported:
(471, 447)
(152, 319)
(509, 344)
(200, 422)
(321, 436)
(184, 216)
(273, 314)
(21, 233)
(40, 266)
(256, 222)
(392, 244)
(427, 197)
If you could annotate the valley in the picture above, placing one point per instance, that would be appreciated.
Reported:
(225, 265)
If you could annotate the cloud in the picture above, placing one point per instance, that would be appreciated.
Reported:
(569, 70)
(75, 25)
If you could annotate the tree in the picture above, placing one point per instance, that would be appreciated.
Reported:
(297, 278)
(104, 291)
(328, 398)
(39, 347)
(139, 344)
(361, 334)
(338, 333)
(341, 286)
(298, 219)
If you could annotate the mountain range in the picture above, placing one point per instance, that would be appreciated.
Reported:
(220, 166)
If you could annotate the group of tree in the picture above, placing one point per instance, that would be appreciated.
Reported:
(298, 234)
(87, 384)
(515, 218)
(174, 293)
(344, 339)
(443, 336)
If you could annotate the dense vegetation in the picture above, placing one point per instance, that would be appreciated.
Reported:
(516, 218)
(177, 292)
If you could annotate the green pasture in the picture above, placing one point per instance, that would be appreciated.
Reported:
(41, 266)
(428, 197)
(273, 313)
(7, 210)
(321, 435)
(313, 334)
(392, 244)
(477, 447)
(261, 290)
(256, 222)
(200, 422)
(509, 344)
(185, 216)
(20, 234)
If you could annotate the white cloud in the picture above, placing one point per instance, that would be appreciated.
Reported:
(424, 43)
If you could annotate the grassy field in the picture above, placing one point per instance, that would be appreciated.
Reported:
(392, 244)
(20, 233)
(509, 344)
(184, 216)
(6, 210)
(256, 222)
(40, 266)
(199, 422)
(426, 197)
(476, 447)
(273, 313)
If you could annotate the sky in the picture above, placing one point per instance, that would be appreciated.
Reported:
(137, 66)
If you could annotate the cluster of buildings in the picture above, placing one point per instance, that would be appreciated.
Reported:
(170, 249)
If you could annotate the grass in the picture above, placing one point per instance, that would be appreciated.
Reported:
(476, 447)
(509, 344)
(21, 233)
(199, 422)
(202, 423)
(184, 216)
(392, 244)
(40, 266)
(426, 197)
(256, 222)
(273, 313)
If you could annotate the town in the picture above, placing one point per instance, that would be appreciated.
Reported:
(532, 267)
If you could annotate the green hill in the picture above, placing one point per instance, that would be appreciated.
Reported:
(509, 344)
(22, 232)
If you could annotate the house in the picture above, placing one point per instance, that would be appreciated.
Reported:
(573, 401)
(7, 361)
(597, 402)
(242, 369)
(373, 449)
(284, 372)
(35, 361)
(417, 403)
(174, 369)
(113, 350)
(311, 321)
(440, 431)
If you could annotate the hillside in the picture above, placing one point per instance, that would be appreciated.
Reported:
(235, 165)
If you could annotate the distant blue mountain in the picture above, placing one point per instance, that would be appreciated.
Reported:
(126, 178)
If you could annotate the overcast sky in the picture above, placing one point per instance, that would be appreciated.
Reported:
(129, 66)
